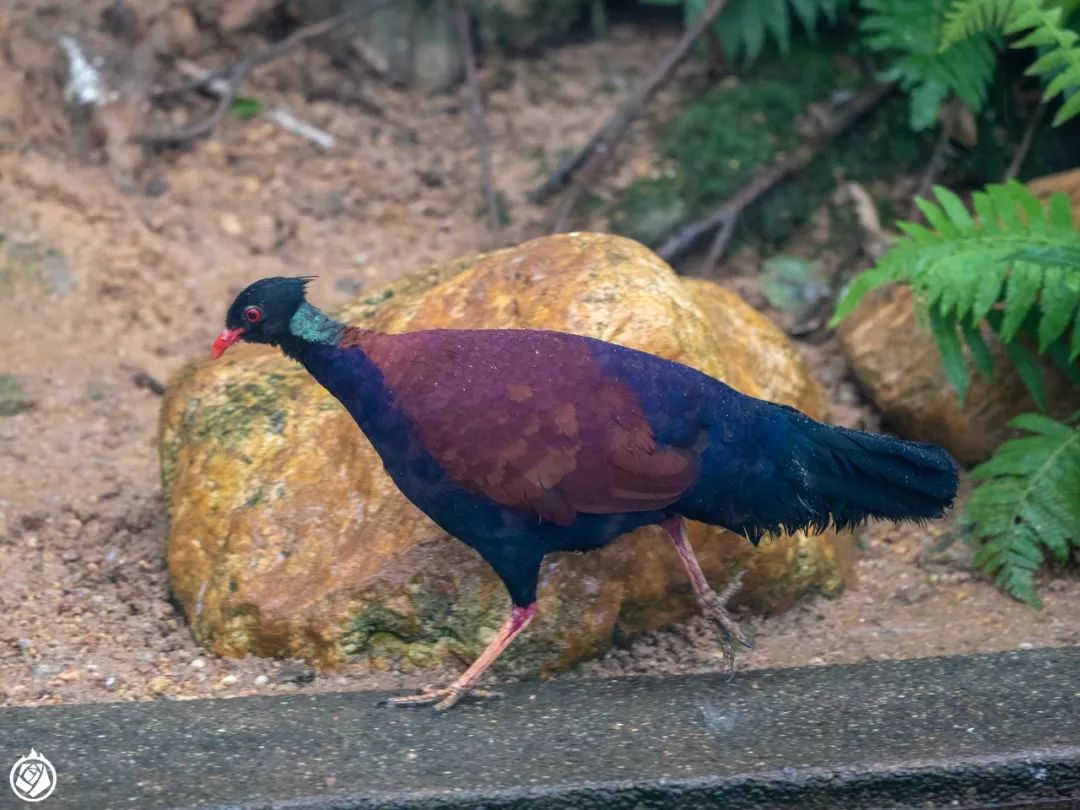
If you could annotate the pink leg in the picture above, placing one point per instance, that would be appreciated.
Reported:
(712, 603)
(450, 695)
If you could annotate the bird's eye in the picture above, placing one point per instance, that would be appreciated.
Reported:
(253, 314)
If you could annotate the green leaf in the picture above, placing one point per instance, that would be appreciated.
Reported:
(952, 355)
(1029, 372)
(910, 30)
(1043, 26)
(955, 209)
(936, 217)
(778, 23)
(1026, 504)
(1021, 292)
(245, 108)
(1043, 425)
(1061, 210)
(1060, 299)
(980, 352)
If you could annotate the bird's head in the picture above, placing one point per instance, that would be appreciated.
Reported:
(262, 312)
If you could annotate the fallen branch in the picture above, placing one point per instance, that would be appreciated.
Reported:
(725, 215)
(483, 135)
(236, 73)
(600, 147)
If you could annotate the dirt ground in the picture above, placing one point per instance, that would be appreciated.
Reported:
(107, 287)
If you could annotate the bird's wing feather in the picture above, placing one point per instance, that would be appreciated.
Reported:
(530, 420)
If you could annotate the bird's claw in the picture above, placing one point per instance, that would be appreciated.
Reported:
(440, 698)
(714, 605)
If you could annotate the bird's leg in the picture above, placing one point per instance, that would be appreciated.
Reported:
(713, 604)
(446, 697)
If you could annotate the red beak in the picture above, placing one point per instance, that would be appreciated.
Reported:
(226, 339)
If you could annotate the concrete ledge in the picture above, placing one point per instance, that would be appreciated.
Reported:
(965, 731)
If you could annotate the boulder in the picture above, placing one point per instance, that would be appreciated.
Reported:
(288, 539)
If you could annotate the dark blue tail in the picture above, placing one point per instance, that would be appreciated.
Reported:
(814, 475)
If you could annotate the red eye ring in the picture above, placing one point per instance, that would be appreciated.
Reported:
(253, 314)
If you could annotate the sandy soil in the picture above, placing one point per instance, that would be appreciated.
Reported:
(105, 290)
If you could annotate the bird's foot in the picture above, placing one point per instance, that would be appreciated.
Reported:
(714, 605)
(441, 698)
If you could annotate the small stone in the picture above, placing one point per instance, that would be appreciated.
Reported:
(68, 675)
(111, 682)
(295, 673)
(230, 224)
(229, 680)
(198, 663)
(160, 684)
(261, 680)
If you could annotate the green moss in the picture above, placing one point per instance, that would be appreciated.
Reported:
(717, 144)
(238, 409)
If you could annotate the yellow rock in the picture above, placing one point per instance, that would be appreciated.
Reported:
(288, 539)
(898, 364)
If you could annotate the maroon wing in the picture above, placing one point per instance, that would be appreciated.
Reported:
(529, 420)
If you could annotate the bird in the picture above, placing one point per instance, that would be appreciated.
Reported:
(523, 442)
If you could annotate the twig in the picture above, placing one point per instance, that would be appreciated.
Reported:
(938, 160)
(284, 118)
(601, 145)
(483, 135)
(1025, 143)
(280, 115)
(236, 74)
(765, 180)
(718, 246)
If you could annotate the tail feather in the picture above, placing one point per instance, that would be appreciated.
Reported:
(825, 475)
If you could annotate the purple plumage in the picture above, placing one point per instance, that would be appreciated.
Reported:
(524, 442)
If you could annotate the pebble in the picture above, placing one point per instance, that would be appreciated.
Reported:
(230, 224)
(68, 675)
(159, 684)
(261, 680)
(228, 680)
(198, 663)
(111, 682)
(44, 671)
(295, 673)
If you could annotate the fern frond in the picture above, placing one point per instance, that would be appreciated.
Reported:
(1043, 26)
(744, 26)
(1028, 504)
(913, 29)
(965, 18)
(1015, 259)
